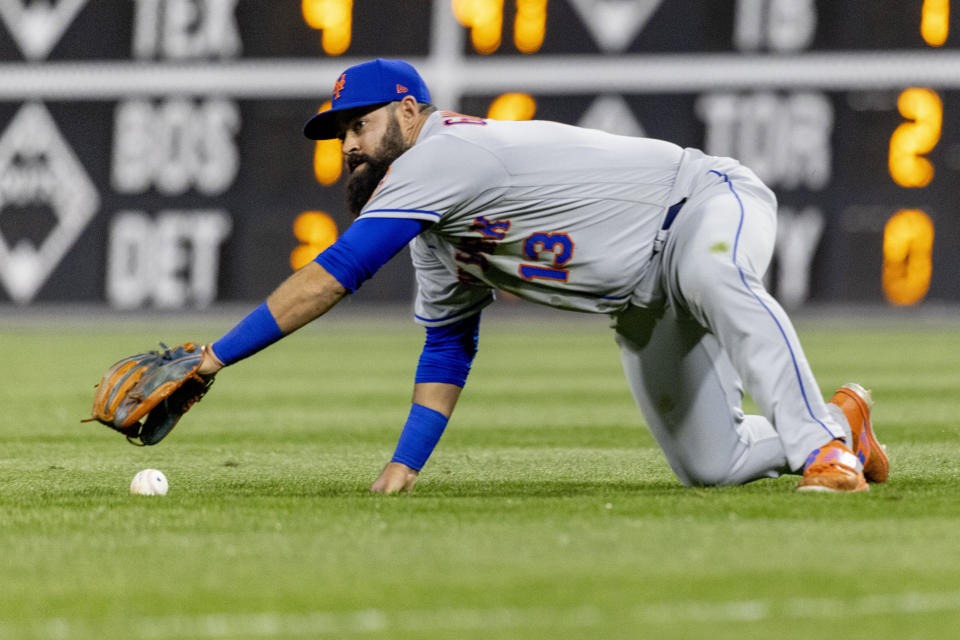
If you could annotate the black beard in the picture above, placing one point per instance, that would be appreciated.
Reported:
(362, 183)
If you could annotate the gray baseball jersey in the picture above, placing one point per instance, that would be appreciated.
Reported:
(555, 214)
(575, 219)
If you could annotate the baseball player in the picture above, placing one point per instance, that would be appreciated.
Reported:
(671, 243)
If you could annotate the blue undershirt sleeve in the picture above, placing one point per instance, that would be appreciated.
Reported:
(366, 246)
(255, 332)
(420, 435)
(447, 355)
(448, 352)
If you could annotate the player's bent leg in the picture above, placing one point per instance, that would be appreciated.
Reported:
(788, 393)
(691, 400)
(765, 351)
(718, 254)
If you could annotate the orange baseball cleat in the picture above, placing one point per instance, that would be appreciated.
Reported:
(856, 403)
(833, 468)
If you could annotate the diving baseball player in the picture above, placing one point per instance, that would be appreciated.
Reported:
(671, 243)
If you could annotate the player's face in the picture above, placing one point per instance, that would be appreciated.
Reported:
(364, 134)
(371, 142)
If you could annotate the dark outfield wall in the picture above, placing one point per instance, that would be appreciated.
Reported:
(151, 153)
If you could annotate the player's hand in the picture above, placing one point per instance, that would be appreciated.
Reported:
(395, 477)
(210, 363)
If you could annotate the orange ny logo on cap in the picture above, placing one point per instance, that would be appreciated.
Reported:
(338, 87)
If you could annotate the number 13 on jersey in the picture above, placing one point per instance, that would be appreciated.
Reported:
(556, 248)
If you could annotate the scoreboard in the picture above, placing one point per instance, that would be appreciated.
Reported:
(151, 153)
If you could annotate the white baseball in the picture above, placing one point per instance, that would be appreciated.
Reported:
(149, 482)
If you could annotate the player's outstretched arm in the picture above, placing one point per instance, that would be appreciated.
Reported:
(306, 295)
(313, 289)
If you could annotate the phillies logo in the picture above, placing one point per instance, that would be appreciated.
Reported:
(44, 186)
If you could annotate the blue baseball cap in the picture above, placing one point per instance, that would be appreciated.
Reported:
(366, 84)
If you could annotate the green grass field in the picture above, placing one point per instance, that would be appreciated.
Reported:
(547, 510)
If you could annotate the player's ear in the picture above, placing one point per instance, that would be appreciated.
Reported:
(408, 110)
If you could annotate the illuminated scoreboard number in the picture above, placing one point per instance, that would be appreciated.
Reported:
(908, 235)
(333, 18)
(486, 21)
(935, 22)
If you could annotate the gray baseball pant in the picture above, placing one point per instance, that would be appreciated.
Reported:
(716, 332)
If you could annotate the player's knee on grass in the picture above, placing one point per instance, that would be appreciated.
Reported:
(704, 473)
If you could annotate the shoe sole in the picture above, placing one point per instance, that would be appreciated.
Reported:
(813, 488)
(820, 488)
(877, 468)
(816, 488)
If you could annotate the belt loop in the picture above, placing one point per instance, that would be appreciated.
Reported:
(668, 219)
(671, 214)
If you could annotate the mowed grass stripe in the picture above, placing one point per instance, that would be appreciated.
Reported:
(376, 621)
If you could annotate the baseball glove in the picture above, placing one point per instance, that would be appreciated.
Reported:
(157, 387)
